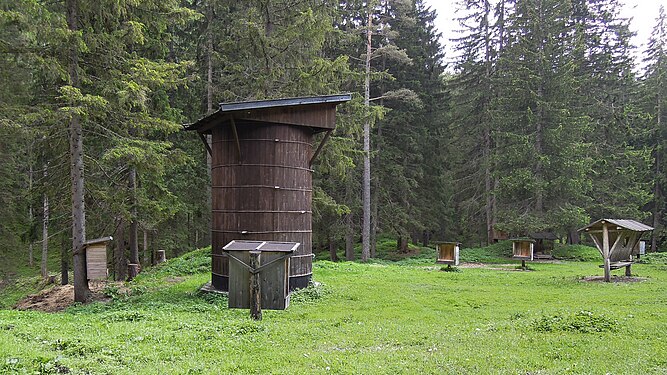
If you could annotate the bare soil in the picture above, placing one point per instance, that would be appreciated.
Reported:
(614, 279)
(60, 297)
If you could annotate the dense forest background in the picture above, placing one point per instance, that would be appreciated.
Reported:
(543, 122)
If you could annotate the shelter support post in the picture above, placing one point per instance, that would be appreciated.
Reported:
(319, 148)
(205, 141)
(605, 252)
(628, 271)
(255, 289)
(237, 142)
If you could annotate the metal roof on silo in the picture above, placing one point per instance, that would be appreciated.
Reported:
(317, 112)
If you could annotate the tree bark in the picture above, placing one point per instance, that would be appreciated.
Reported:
(120, 263)
(349, 219)
(402, 244)
(134, 226)
(30, 218)
(332, 249)
(366, 225)
(45, 230)
(81, 289)
(147, 256)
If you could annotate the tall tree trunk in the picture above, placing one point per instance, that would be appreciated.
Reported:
(134, 226)
(31, 217)
(487, 141)
(402, 244)
(366, 225)
(657, 189)
(81, 289)
(209, 100)
(120, 263)
(147, 255)
(45, 230)
(332, 249)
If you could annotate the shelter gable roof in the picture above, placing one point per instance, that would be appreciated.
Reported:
(622, 223)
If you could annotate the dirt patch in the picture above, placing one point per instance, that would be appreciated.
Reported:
(614, 279)
(59, 297)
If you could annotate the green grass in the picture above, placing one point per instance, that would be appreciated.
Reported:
(376, 318)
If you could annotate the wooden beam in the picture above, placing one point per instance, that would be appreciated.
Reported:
(232, 123)
(319, 148)
(255, 288)
(605, 252)
(208, 147)
(597, 243)
(616, 243)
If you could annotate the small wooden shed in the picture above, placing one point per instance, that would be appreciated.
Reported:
(266, 260)
(96, 258)
(616, 239)
(261, 175)
(544, 244)
(448, 253)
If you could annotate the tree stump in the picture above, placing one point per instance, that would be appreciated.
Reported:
(160, 256)
(132, 271)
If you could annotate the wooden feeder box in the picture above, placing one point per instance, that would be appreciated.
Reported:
(262, 159)
(264, 264)
(616, 240)
(523, 249)
(96, 258)
(448, 253)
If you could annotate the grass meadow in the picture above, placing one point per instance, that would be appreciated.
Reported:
(386, 317)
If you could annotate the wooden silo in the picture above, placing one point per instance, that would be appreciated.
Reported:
(261, 176)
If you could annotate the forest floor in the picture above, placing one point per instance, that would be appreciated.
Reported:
(380, 317)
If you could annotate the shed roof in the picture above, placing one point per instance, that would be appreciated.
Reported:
(543, 236)
(317, 112)
(619, 223)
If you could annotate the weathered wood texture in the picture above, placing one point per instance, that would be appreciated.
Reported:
(96, 262)
(616, 240)
(255, 286)
(272, 280)
(264, 195)
(448, 253)
(522, 249)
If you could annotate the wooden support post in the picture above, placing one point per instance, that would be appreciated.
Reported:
(160, 257)
(628, 272)
(132, 271)
(255, 290)
(605, 252)
(523, 264)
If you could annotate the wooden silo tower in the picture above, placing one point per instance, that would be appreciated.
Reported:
(261, 176)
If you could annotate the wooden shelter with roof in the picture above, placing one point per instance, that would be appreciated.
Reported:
(544, 244)
(448, 253)
(523, 249)
(261, 177)
(616, 239)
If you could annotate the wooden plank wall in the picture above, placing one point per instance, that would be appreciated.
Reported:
(267, 195)
(96, 262)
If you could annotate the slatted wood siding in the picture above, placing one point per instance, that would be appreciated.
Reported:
(522, 249)
(448, 253)
(96, 262)
(266, 195)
